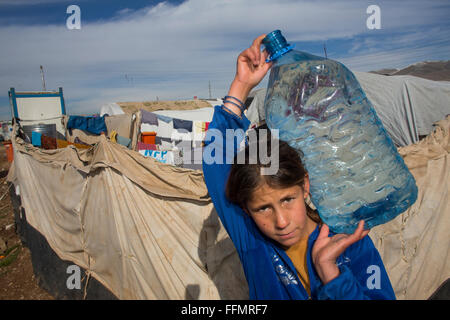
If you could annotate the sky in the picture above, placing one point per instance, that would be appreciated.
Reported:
(144, 50)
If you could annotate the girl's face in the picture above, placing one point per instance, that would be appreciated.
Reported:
(280, 214)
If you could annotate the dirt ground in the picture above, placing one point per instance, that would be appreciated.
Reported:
(17, 280)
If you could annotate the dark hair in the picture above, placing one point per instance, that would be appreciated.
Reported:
(245, 178)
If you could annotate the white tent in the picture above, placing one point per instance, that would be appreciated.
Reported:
(111, 109)
(406, 105)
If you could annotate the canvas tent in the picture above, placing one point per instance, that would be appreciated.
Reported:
(415, 246)
(147, 230)
(141, 228)
(406, 105)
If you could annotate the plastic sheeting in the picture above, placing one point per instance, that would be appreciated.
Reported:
(406, 105)
(415, 246)
(111, 109)
(147, 230)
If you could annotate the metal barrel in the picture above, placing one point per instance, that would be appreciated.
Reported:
(48, 130)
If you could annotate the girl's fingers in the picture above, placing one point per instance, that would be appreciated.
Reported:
(362, 232)
(324, 230)
(365, 233)
(248, 56)
(256, 48)
(257, 42)
(359, 229)
(252, 56)
(357, 235)
(263, 57)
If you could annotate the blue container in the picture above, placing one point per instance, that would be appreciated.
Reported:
(36, 139)
(320, 109)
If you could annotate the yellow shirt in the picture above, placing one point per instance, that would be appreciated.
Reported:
(297, 254)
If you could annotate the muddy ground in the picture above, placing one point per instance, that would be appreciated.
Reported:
(17, 280)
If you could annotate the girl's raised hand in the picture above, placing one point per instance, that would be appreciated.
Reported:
(251, 64)
(326, 250)
(250, 70)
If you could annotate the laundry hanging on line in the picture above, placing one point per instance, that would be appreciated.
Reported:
(95, 125)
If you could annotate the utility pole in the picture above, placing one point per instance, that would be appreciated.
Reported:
(43, 79)
(325, 50)
(210, 90)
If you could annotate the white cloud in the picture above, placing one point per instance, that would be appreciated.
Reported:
(398, 50)
(173, 51)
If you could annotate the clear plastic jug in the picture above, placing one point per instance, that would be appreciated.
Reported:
(320, 109)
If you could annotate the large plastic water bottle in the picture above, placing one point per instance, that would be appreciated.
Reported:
(354, 168)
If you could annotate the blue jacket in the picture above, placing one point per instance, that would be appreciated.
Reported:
(269, 271)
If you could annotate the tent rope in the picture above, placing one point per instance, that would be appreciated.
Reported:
(87, 276)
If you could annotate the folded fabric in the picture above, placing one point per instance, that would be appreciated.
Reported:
(198, 125)
(164, 128)
(78, 141)
(95, 125)
(123, 141)
(81, 146)
(159, 140)
(163, 118)
(163, 143)
(48, 143)
(182, 124)
(181, 135)
(61, 143)
(83, 136)
(145, 127)
(146, 146)
(199, 133)
(64, 143)
(149, 117)
(199, 128)
(36, 138)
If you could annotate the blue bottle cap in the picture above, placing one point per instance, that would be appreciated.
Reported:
(276, 45)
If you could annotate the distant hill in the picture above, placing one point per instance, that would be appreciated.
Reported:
(432, 70)
(385, 72)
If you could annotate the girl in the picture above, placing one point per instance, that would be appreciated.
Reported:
(285, 250)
